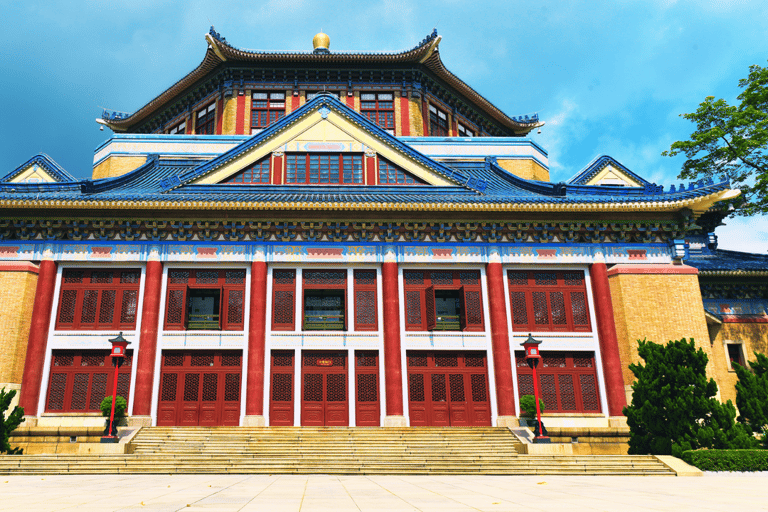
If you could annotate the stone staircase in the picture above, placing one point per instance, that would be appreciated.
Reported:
(330, 450)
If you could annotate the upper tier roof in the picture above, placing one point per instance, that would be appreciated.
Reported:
(424, 54)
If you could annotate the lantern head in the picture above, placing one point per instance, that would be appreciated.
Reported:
(531, 347)
(119, 345)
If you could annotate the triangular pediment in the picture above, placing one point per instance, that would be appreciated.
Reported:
(606, 170)
(38, 169)
(327, 126)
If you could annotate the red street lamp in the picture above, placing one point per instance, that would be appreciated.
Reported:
(119, 345)
(532, 357)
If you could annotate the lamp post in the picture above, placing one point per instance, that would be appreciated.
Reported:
(532, 357)
(119, 345)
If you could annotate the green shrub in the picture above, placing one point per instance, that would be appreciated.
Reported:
(528, 406)
(120, 406)
(728, 460)
(674, 408)
(752, 393)
(9, 423)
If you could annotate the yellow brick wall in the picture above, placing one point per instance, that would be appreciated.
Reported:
(659, 308)
(247, 114)
(117, 166)
(528, 169)
(752, 336)
(17, 295)
(417, 120)
(230, 115)
(398, 124)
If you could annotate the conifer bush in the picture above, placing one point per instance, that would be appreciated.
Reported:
(8, 423)
(674, 408)
(752, 393)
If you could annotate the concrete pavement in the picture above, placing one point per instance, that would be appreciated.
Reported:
(306, 493)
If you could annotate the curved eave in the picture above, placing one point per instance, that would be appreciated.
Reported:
(625, 207)
(733, 273)
(425, 54)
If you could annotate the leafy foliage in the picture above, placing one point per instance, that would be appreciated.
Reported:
(9, 423)
(732, 140)
(728, 460)
(752, 393)
(528, 405)
(120, 406)
(674, 408)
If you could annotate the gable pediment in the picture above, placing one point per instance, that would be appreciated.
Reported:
(322, 130)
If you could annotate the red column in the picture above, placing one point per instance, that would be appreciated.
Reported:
(405, 116)
(31, 381)
(240, 116)
(254, 405)
(220, 114)
(609, 344)
(393, 374)
(145, 361)
(502, 360)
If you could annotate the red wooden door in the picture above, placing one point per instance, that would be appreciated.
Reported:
(448, 389)
(367, 413)
(200, 388)
(324, 397)
(281, 389)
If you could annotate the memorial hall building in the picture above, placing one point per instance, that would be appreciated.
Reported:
(328, 238)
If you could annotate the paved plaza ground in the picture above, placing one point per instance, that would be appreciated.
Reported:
(265, 493)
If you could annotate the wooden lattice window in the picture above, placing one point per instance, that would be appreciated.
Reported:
(283, 299)
(366, 312)
(80, 379)
(206, 120)
(324, 300)
(324, 168)
(443, 300)
(548, 300)
(178, 129)
(463, 131)
(257, 173)
(266, 108)
(98, 299)
(567, 381)
(205, 300)
(391, 175)
(379, 107)
(438, 122)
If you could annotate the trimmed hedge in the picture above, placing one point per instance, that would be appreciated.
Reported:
(728, 460)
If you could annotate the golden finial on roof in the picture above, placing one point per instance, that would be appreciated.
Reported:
(321, 43)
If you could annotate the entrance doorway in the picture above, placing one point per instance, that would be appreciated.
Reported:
(448, 389)
(324, 396)
(200, 388)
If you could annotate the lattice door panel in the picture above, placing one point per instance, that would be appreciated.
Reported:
(324, 400)
(448, 389)
(281, 388)
(367, 413)
(200, 388)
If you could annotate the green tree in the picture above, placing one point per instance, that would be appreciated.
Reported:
(732, 140)
(674, 407)
(9, 423)
(752, 393)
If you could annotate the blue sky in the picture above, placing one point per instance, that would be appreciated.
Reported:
(608, 77)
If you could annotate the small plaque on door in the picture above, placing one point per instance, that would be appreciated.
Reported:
(325, 362)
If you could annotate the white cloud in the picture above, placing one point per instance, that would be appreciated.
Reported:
(746, 234)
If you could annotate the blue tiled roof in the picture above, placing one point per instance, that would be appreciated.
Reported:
(719, 260)
(482, 182)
